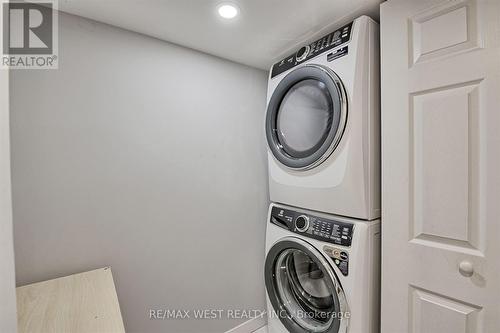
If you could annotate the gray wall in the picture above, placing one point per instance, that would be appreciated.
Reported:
(147, 157)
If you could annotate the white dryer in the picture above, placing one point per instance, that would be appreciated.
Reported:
(321, 272)
(322, 124)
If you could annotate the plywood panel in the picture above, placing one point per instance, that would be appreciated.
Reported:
(80, 303)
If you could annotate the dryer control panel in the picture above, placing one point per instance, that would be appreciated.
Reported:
(325, 43)
(326, 230)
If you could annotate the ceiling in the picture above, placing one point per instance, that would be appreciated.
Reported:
(264, 32)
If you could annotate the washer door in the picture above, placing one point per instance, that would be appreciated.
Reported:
(306, 117)
(303, 289)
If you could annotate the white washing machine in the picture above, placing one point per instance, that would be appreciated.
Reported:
(321, 272)
(323, 124)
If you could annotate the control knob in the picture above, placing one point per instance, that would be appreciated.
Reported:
(302, 53)
(302, 223)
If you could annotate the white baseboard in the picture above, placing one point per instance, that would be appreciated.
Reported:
(250, 325)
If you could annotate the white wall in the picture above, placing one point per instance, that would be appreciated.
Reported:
(147, 157)
(8, 318)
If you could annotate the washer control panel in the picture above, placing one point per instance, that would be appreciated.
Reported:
(325, 43)
(326, 230)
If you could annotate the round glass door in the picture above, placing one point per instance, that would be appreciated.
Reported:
(303, 289)
(306, 117)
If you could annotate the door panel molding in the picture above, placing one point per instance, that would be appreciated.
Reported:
(429, 310)
(445, 29)
(444, 130)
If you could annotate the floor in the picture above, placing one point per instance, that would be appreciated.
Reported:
(261, 330)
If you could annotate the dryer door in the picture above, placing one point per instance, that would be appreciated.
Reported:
(303, 289)
(306, 116)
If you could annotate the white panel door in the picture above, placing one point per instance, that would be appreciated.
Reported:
(441, 166)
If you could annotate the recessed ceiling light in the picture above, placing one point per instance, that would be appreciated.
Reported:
(228, 10)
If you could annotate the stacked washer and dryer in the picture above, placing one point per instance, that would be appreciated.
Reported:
(323, 229)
